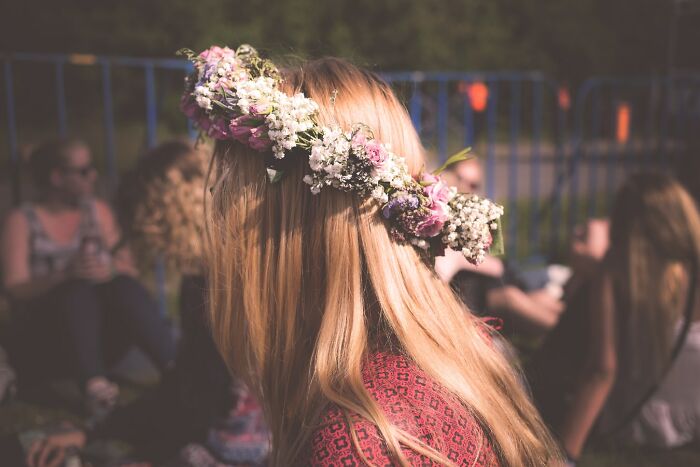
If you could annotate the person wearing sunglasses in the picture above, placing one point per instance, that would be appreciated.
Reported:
(77, 305)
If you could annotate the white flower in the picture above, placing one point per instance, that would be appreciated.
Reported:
(379, 194)
(334, 169)
(204, 102)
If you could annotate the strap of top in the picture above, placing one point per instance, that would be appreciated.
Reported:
(32, 219)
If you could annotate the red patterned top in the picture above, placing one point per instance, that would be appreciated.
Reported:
(412, 402)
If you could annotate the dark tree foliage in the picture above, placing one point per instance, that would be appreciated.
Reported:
(569, 39)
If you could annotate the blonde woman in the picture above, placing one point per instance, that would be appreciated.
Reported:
(358, 352)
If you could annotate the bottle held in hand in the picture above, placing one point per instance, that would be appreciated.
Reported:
(95, 262)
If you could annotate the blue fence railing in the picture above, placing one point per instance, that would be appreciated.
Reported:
(552, 160)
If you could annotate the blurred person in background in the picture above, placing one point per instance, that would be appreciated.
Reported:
(198, 415)
(634, 374)
(199, 409)
(77, 305)
(528, 300)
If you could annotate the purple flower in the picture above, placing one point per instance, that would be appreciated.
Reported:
(398, 205)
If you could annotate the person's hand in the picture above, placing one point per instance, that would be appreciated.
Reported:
(589, 245)
(51, 451)
(91, 267)
(593, 239)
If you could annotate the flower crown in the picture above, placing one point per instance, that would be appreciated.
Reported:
(235, 95)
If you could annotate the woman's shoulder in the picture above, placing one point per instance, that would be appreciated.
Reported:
(411, 401)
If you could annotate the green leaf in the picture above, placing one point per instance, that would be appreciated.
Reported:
(459, 157)
(191, 56)
(497, 246)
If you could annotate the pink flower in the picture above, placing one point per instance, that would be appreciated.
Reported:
(217, 129)
(245, 130)
(189, 107)
(438, 191)
(260, 109)
(258, 139)
(216, 53)
(358, 140)
(431, 226)
(240, 128)
(376, 153)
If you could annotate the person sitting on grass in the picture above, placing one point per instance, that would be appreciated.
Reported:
(77, 305)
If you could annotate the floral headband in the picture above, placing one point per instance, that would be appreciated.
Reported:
(235, 95)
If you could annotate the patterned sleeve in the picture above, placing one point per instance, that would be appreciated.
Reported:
(333, 446)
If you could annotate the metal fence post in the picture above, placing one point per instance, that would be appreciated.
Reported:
(61, 98)
(492, 119)
(12, 133)
(468, 123)
(416, 106)
(536, 162)
(108, 115)
(442, 119)
(513, 167)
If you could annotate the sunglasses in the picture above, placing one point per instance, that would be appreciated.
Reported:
(83, 171)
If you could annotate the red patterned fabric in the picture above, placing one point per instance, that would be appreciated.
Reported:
(412, 402)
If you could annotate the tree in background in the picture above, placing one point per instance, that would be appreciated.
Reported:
(570, 39)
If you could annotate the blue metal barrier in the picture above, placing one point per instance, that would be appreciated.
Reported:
(655, 135)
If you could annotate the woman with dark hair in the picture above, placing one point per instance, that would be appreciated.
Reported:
(78, 306)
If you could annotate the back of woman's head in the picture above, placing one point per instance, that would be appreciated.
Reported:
(304, 287)
(654, 243)
(654, 212)
(159, 205)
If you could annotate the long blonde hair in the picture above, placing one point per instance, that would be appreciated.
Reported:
(304, 288)
(654, 242)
